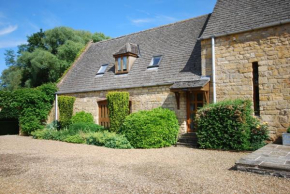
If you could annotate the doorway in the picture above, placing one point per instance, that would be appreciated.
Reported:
(195, 100)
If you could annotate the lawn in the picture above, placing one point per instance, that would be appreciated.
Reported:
(43, 166)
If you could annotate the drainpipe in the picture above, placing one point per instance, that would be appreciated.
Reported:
(213, 69)
(56, 106)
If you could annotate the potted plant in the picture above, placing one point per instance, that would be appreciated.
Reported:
(286, 137)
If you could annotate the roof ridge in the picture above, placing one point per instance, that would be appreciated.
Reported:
(162, 26)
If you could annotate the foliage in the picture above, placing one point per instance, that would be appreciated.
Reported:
(258, 134)
(34, 106)
(101, 138)
(53, 125)
(85, 127)
(98, 36)
(118, 105)
(108, 139)
(288, 130)
(82, 117)
(228, 125)
(7, 110)
(45, 57)
(77, 138)
(151, 129)
(65, 104)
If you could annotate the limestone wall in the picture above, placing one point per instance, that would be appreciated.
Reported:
(142, 99)
(270, 47)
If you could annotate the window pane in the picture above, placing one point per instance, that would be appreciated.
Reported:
(103, 68)
(125, 63)
(156, 60)
(119, 64)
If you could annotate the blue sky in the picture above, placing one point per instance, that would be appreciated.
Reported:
(20, 18)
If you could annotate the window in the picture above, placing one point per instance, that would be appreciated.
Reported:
(122, 64)
(102, 69)
(155, 62)
(256, 96)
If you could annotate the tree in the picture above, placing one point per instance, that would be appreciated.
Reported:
(98, 36)
(45, 57)
(10, 57)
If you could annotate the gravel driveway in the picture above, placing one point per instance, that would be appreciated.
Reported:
(43, 166)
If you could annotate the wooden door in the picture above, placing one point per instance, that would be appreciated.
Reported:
(195, 100)
(104, 119)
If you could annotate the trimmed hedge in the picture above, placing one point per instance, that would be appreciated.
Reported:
(82, 117)
(65, 104)
(229, 125)
(118, 105)
(151, 129)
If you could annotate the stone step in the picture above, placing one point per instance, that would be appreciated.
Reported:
(180, 144)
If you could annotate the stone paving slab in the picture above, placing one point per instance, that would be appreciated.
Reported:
(272, 159)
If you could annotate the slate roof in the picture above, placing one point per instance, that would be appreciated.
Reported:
(232, 16)
(189, 84)
(177, 43)
(128, 48)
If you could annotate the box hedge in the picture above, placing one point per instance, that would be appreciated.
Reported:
(82, 117)
(151, 129)
(65, 104)
(118, 105)
(229, 125)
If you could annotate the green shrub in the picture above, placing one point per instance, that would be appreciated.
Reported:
(258, 133)
(108, 139)
(33, 105)
(85, 127)
(8, 111)
(82, 117)
(77, 138)
(151, 129)
(288, 130)
(65, 104)
(229, 125)
(118, 105)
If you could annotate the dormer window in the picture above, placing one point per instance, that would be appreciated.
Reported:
(102, 69)
(125, 58)
(122, 64)
(155, 61)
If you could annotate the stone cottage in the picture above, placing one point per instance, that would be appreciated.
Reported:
(241, 50)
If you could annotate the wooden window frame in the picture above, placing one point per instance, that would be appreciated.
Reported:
(122, 64)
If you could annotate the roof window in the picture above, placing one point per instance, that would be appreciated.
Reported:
(102, 69)
(155, 61)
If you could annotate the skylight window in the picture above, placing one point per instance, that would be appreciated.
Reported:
(155, 61)
(102, 69)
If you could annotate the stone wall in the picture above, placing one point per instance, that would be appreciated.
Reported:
(270, 47)
(145, 98)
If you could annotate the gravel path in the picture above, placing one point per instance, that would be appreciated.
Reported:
(41, 166)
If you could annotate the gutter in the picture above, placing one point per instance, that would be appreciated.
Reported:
(56, 107)
(96, 90)
(213, 68)
(250, 29)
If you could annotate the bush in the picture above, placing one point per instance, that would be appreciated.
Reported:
(75, 139)
(108, 139)
(33, 105)
(65, 104)
(85, 127)
(228, 125)
(259, 133)
(288, 130)
(151, 129)
(118, 105)
(82, 117)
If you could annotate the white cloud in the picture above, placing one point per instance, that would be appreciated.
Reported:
(141, 21)
(11, 44)
(8, 29)
(158, 19)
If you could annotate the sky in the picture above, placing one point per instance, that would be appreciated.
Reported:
(21, 18)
